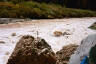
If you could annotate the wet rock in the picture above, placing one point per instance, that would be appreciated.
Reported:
(11, 20)
(57, 33)
(64, 54)
(66, 33)
(13, 34)
(30, 50)
(7, 53)
(2, 42)
(93, 26)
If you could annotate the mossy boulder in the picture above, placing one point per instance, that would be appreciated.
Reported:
(93, 26)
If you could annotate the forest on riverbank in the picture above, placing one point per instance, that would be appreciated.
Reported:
(40, 9)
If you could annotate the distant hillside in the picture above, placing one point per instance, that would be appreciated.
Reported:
(82, 4)
(37, 10)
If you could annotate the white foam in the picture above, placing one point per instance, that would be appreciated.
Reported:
(76, 26)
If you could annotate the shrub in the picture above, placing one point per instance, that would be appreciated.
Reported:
(17, 1)
(2, 0)
(4, 13)
(31, 9)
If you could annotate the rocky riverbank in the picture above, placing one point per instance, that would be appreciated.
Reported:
(72, 31)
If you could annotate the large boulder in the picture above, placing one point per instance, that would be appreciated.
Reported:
(30, 50)
(83, 49)
(93, 26)
(64, 54)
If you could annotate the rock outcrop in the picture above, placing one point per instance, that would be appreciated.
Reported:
(30, 50)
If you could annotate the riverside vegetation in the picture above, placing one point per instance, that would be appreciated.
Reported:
(39, 10)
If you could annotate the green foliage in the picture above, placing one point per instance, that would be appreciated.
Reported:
(4, 13)
(17, 1)
(92, 54)
(2, 0)
(31, 9)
